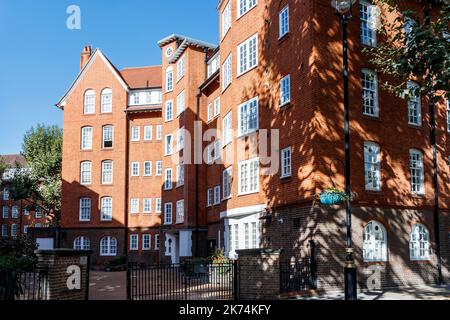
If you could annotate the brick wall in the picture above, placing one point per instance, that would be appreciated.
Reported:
(259, 274)
(293, 226)
(57, 263)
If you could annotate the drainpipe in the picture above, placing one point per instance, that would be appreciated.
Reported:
(197, 196)
(127, 173)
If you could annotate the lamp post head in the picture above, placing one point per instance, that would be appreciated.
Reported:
(343, 6)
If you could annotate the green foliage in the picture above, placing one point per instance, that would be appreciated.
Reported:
(422, 55)
(218, 257)
(21, 185)
(16, 257)
(3, 167)
(42, 148)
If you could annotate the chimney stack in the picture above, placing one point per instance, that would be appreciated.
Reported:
(85, 56)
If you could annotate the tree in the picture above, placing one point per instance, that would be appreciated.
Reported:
(416, 46)
(3, 167)
(42, 148)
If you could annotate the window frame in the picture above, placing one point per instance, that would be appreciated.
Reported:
(286, 173)
(104, 128)
(167, 212)
(148, 133)
(227, 173)
(283, 94)
(147, 206)
(135, 165)
(148, 165)
(249, 163)
(372, 38)
(104, 181)
(248, 56)
(168, 183)
(111, 243)
(169, 79)
(376, 165)
(181, 68)
(105, 93)
(168, 115)
(248, 115)
(85, 209)
(146, 238)
(365, 73)
(135, 206)
(226, 17)
(227, 72)
(135, 133)
(87, 140)
(249, 5)
(420, 169)
(416, 230)
(106, 209)
(414, 104)
(82, 175)
(134, 242)
(282, 31)
(89, 94)
(372, 242)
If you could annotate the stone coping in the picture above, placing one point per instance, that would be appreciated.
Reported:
(255, 252)
(63, 252)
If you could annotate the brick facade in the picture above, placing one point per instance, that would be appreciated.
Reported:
(281, 212)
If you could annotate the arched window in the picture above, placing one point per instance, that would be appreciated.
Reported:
(419, 243)
(108, 247)
(169, 79)
(375, 242)
(106, 101)
(81, 243)
(89, 102)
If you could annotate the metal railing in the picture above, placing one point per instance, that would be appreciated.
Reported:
(187, 281)
(31, 285)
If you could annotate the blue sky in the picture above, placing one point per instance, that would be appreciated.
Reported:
(39, 55)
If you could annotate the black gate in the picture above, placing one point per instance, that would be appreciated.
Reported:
(32, 285)
(299, 275)
(187, 281)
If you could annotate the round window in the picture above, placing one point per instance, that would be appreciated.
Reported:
(169, 52)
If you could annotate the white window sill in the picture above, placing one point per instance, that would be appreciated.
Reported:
(108, 255)
(247, 193)
(286, 176)
(281, 36)
(242, 15)
(134, 249)
(246, 71)
(243, 135)
(421, 259)
(106, 220)
(226, 199)
(81, 220)
(282, 104)
(375, 116)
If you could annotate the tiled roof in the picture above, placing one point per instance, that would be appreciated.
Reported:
(12, 159)
(143, 77)
(137, 109)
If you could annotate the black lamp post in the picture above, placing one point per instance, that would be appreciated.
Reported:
(344, 12)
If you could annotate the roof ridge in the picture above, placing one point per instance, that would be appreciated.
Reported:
(142, 67)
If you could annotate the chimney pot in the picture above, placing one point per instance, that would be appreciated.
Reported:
(85, 56)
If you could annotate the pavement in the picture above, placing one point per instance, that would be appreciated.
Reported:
(424, 292)
(108, 285)
(112, 286)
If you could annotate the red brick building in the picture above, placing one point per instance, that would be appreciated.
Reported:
(111, 149)
(18, 217)
(274, 81)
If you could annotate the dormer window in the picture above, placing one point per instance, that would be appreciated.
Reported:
(145, 97)
(89, 102)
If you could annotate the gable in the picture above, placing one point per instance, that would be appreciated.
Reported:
(96, 55)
